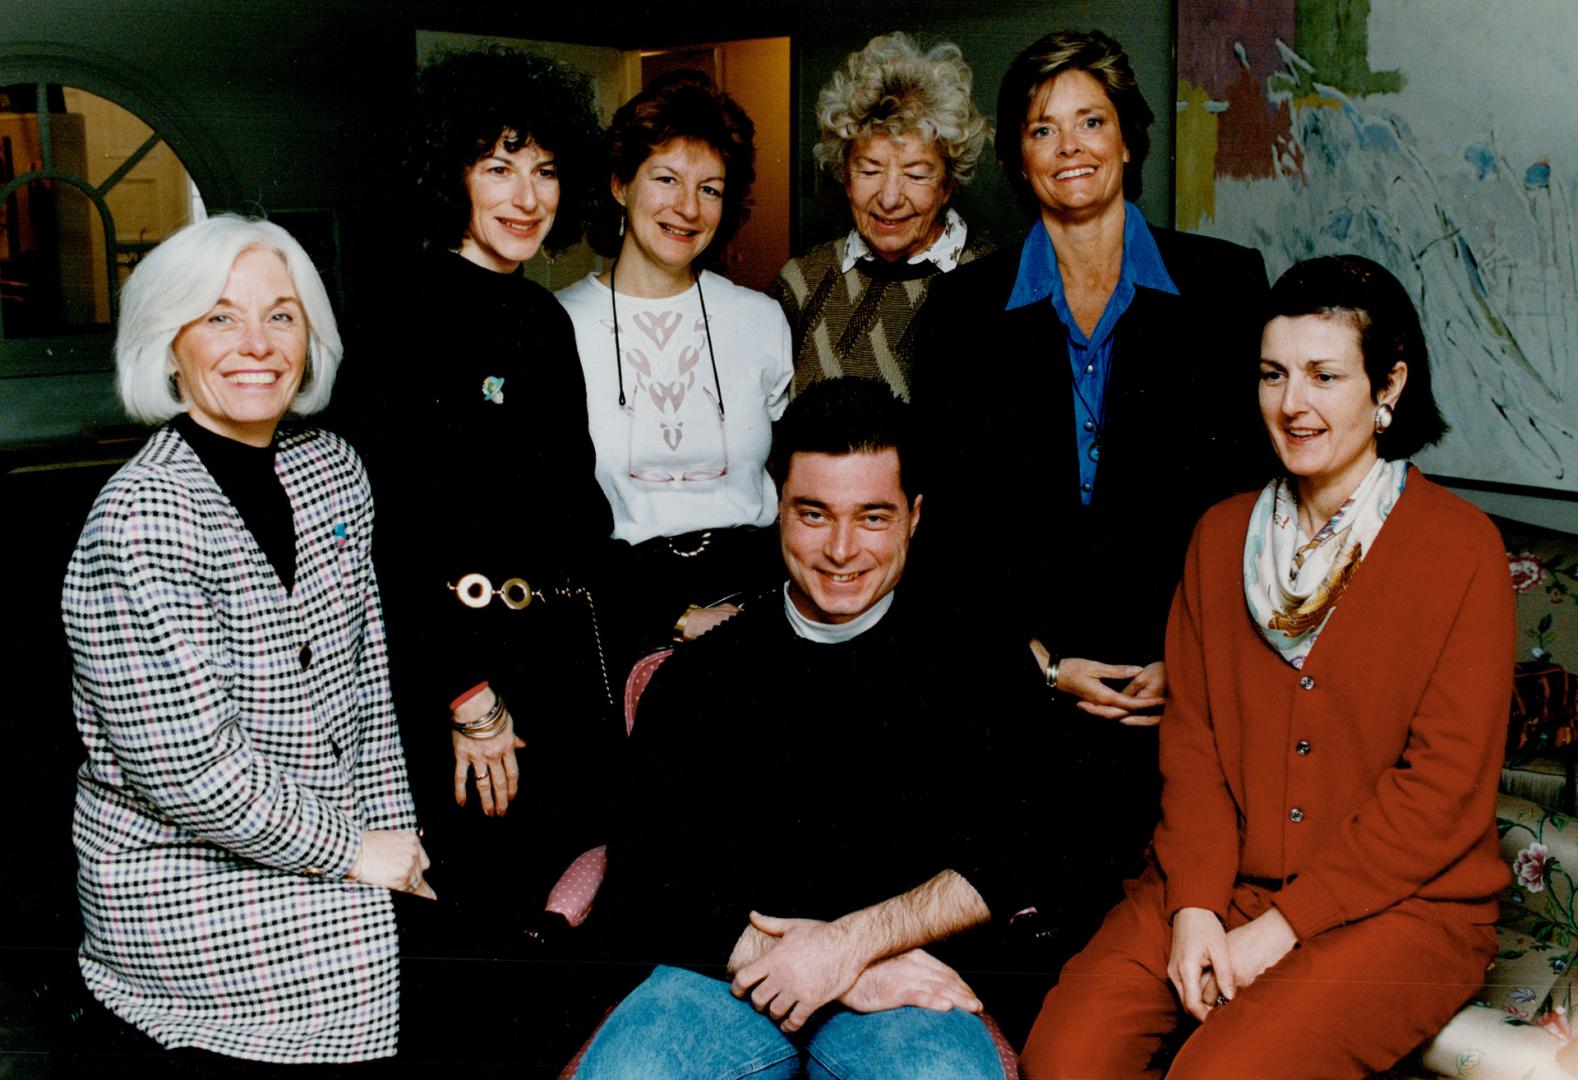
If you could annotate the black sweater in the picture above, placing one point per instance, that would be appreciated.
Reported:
(504, 488)
(794, 778)
(465, 484)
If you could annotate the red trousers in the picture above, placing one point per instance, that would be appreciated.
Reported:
(1347, 1003)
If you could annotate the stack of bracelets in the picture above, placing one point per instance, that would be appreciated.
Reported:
(488, 724)
(477, 591)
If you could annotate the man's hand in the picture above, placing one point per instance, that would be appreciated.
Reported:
(910, 978)
(1259, 944)
(749, 947)
(816, 962)
(702, 619)
(812, 964)
(1199, 955)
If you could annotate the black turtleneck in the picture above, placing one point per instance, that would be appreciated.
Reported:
(896, 270)
(246, 475)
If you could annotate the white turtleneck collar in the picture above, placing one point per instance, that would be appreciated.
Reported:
(834, 633)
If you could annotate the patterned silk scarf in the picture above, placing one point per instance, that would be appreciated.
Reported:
(1292, 585)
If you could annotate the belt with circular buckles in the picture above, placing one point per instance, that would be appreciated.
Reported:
(476, 591)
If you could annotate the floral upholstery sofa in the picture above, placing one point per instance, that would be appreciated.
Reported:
(1518, 1028)
(1522, 1025)
(1544, 567)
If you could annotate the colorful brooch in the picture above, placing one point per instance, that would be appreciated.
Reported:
(493, 389)
(341, 533)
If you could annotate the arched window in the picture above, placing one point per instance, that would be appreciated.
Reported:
(93, 174)
(85, 189)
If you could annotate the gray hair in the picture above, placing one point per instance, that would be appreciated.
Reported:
(892, 88)
(183, 278)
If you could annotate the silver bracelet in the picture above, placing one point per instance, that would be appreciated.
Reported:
(487, 725)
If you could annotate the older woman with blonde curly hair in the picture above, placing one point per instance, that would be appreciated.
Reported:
(901, 133)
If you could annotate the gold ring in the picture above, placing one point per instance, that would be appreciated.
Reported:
(516, 594)
(474, 590)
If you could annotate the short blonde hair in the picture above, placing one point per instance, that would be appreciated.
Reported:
(892, 88)
(180, 280)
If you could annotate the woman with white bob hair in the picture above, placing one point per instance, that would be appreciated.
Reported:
(901, 133)
(243, 813)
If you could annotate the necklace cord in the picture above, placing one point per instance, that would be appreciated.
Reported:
(619, 356)
(706, 325)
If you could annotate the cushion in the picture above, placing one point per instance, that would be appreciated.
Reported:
(1500, 1035)
(1479, 1043)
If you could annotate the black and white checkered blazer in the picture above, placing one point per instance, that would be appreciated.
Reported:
(239, 739)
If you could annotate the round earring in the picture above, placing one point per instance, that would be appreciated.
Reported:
(1383, 417)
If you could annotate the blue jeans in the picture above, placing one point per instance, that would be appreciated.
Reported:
(679, 1025)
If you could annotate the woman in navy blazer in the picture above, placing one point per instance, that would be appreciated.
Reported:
(1081, 395)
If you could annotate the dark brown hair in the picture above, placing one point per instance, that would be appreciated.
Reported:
(1369, 297)
(1100, 57)
(847, 415)
(677, 105)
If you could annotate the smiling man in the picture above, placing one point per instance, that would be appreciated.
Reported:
(819, 794)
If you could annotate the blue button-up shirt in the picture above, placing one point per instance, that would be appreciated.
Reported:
(1090, 358)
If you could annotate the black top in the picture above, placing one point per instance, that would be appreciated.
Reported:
(1007, 538)
(994, 394)
(499, 484)
(246, 475)
(795, 778)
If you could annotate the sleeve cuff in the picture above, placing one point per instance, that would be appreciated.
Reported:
(1198, 890)
(1308, 907)
(331, 851)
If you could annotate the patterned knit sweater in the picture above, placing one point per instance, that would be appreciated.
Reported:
(855, 323)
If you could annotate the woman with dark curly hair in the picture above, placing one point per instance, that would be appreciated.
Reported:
(482, 460)
(685, 371)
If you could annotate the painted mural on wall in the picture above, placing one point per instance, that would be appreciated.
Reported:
(1438, 139)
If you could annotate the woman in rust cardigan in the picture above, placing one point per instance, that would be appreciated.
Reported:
(1322, 890)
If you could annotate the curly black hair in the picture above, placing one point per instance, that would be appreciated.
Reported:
(681, 104)
(467, 101)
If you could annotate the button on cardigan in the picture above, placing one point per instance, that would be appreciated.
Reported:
(227, 782)
(1405, 696)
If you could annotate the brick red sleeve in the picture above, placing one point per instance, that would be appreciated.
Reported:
(1196, 843)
